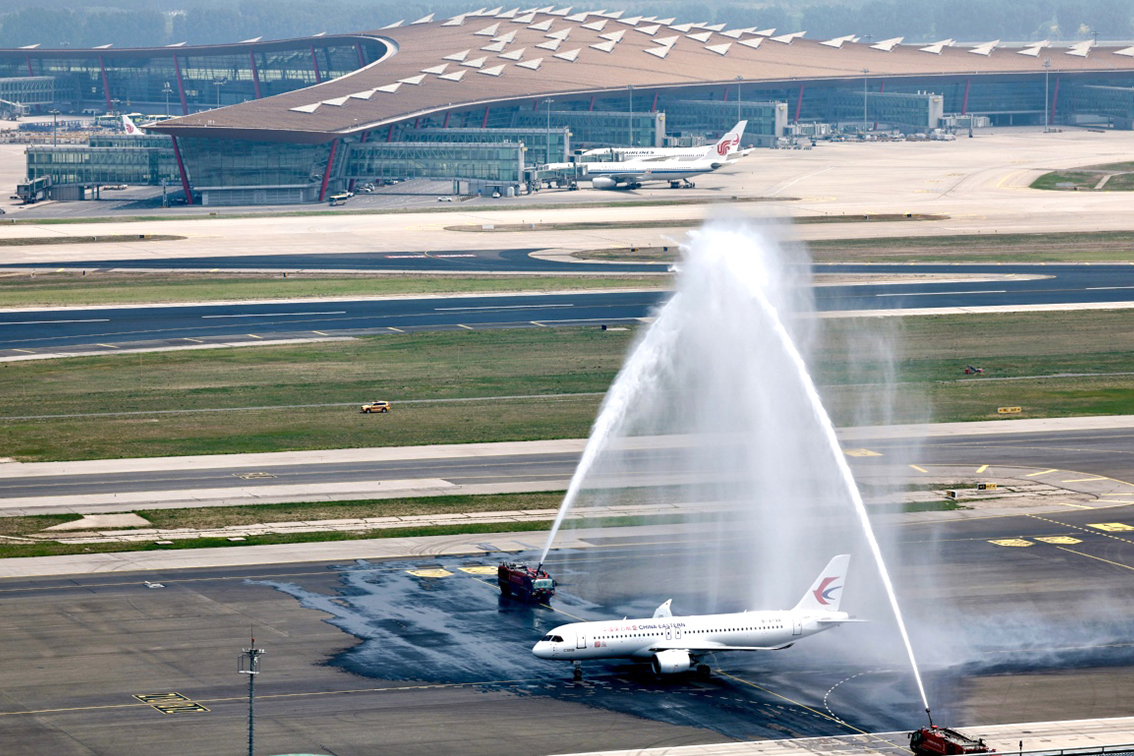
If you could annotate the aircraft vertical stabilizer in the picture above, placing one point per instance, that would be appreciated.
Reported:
(827, 590)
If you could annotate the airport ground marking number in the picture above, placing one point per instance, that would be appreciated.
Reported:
(1012, 542)
(170, 703)
(861, 453)
(1111, 527)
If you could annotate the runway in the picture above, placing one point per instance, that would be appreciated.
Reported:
(365, 655)
(114, 486)
(87, 329)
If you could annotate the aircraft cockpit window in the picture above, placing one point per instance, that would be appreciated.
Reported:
(552, 638)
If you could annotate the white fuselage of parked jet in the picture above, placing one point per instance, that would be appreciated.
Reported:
(633, 172)
(675, 644)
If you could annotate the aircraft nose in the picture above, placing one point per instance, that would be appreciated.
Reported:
(542, 650)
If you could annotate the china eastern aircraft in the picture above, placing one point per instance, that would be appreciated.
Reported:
(727, 146)
(676, 644)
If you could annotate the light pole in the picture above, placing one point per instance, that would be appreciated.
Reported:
(1046, 107)
(548, 102)
(250, 665)
(54, 126)
(865, 80)
(218, 84)
(630, 130)
(166, 90)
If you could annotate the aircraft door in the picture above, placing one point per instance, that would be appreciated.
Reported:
(668, 632)
(677, 632)
(797, 627)
(580, 640)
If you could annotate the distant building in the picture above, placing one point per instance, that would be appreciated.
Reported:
(299, 120)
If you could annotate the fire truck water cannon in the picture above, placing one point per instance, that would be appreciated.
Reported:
(525, 583)
(944, 741)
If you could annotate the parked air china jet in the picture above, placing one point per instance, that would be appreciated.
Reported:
(631, 174)
(726, 146)
(676, 644)
(130, 127)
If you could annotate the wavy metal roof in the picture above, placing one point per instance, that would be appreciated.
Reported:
(481, 58)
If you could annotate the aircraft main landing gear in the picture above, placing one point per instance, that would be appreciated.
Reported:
(578, 673)
(703, 671)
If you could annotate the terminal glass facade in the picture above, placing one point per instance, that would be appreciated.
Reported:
(501, 163)
(220, 164)
(68, 164)
(766, 120)
(160, 81)
(543, 145)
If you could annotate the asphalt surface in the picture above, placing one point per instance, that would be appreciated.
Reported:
(366, 657)
(99, 328)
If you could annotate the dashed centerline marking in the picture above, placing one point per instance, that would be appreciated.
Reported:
(54, 322)
(271, 314)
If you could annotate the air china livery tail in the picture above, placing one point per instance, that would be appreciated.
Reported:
(676, 644)
(130, 127)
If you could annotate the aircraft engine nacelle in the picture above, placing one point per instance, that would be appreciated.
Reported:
(671, 661)
(604, 182)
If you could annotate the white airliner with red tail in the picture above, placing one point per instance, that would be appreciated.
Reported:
(676, 644)
(726, 147)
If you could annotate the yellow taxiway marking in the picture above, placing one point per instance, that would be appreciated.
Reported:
(1085, 530)
(919, 469)
(1041, 472)
(861, 453)
(1111, 527)
(430, 573)
(1065, 540)
(462, 325)
(485, 570)
(1085, 480)
(108, 346)
(255, 336)
(1092, 556)
(1016, 542)
(792, 701)
(1077, 506)
(982, 468)
(319, 332)
(395, 330)
(170, 703)
(1117, 493)
(537, 323)
(195, 341)
(28, 351)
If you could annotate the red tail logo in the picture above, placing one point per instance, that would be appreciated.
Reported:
(822, 594)
(726, 144)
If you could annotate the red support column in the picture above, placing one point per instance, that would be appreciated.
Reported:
(799, 103)
(361, 58)
(315, 63)
(327, 171)
(1054, 99)
(654, 107)
(29, 67)
(592, 107)
(105, 85)
(484, 123)
(446, 124)
(390, 133)
(725, 94)
(180, 86)
(535, 106)
(965, 103)
(255, 73)
(184, 175)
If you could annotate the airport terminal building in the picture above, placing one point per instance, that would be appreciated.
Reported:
(488, 97)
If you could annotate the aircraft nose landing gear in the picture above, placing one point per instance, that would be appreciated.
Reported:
(578, 673)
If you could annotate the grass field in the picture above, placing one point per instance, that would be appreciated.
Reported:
(58, 288)
(20, 536)
(1100, 246)
(1051, 364)
(1088, 177)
